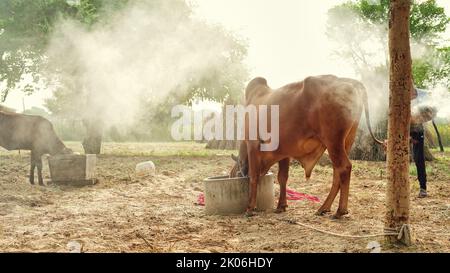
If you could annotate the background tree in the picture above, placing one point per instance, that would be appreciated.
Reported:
(219, 80)
(25, 29)
(348, 26)
(25, 26)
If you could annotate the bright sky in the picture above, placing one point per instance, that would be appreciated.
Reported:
(287, 40)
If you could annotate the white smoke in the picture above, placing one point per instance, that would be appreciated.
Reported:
(365, 45)
(439, 98)
(142, 54)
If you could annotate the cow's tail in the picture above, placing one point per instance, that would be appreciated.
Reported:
(366, 112)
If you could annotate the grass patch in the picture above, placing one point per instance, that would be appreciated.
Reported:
(413, 170)
(182, 149)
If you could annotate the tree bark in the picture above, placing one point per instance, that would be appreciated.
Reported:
(400, 86)
(92, 143)
(225, 144)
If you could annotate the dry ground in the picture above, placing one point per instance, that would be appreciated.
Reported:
(125, 214)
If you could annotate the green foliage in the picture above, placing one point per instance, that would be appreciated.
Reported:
(25, 26)
(355, 22)
(222, 81)
(421, 71)
(88, 11)
(91, 12)
(375, 13)
(25, 29)
(427, 19)
(433, 68)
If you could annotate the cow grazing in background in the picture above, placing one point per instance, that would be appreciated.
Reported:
(34, 133)
(317, 114)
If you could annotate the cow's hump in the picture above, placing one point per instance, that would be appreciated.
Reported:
(254, 85)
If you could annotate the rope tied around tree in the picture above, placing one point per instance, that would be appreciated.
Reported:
(404, 234)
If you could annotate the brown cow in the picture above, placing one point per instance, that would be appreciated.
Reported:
(315, 114)
(34, 133)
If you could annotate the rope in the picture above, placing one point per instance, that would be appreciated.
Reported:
(388, 232)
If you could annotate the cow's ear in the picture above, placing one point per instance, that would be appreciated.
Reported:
(235, 158)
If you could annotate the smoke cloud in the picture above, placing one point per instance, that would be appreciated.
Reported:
(365, 45)
(439, 98)
(141, 54)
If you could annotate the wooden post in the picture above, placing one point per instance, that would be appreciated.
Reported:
(438, 137)
(92, 143)
(401, 86)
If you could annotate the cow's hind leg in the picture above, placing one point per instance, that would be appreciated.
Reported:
(345, 172)
(342, 168)
(326, 206)
(341, 181)
(338, 152)
(283, 174)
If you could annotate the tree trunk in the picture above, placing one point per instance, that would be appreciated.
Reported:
(92, 143)
(224, 144)
(400, 86)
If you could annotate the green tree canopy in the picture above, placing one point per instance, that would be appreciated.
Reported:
(360, 29)
(25, 26)
(141, 50)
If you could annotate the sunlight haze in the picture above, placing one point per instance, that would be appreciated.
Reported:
(286, 39)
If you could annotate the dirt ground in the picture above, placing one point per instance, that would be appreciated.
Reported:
(123, 213)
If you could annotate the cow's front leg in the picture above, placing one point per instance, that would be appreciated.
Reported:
(253, 188)
(254, 170)
(283, 174)
(39, 168)
(345, 173)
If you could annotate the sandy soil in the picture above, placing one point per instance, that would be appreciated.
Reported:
(123, 213)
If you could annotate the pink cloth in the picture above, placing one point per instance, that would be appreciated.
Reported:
(201, 199)
(293, 195)
(290, 195)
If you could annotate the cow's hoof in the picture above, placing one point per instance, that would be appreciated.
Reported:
(322, 212)
(335, 216)
(338, 215)
(281, 209)
(250, 213)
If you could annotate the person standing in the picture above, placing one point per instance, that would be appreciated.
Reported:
(417, 140)
(418, 118)
(417, 130)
